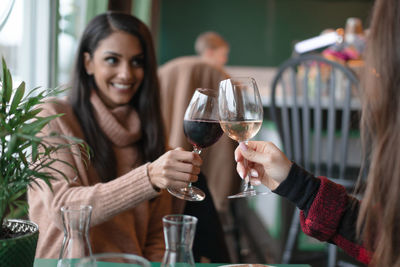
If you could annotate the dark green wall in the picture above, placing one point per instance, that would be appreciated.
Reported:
(260, 32)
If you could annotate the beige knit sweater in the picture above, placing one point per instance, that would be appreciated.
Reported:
(127, 212)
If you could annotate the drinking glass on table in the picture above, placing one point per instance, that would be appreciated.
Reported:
(179, 231)
(202, 129)
(241, 116)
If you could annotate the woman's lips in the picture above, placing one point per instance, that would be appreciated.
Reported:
(122, 86)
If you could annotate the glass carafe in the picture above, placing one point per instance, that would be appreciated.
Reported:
(179, 231)
(76, 243)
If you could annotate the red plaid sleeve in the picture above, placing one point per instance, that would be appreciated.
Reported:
(332, 217)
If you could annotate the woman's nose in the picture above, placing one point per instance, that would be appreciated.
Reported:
(125, 71)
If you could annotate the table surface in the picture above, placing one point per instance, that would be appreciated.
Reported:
(53, 263)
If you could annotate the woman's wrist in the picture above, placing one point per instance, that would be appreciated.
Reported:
(148, 168)
(286, 171)
(299, 186)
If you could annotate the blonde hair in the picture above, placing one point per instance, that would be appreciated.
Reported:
(209, 40)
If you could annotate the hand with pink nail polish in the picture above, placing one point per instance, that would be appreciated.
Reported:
(267, 164)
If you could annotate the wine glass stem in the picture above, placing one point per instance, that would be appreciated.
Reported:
(197, 151)
(247, 186)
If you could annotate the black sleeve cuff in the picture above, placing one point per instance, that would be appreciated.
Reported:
(300, 187)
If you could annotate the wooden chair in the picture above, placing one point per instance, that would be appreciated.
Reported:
(314, 104)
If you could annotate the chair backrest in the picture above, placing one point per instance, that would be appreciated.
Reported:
(313, 103)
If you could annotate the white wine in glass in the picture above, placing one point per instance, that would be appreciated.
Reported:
(241, 130)
(240, 117)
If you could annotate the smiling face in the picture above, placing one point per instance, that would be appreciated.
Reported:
(117, 67)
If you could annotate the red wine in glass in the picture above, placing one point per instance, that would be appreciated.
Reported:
(202, 133)
(202, 129)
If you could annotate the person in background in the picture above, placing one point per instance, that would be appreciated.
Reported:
(114, 105)
(368, 230)
(212, 48)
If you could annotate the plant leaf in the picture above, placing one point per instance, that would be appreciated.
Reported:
(23, 159)
(18, 95)
(38, 124)
(7, 83)
(12, 144)
(27, 153)
(34, 151)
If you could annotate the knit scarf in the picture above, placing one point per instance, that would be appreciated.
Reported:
(121, 124)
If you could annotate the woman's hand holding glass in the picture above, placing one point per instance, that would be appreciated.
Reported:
(267, 165)
(175, 169)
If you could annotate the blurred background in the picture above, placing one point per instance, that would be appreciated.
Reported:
(40, 36)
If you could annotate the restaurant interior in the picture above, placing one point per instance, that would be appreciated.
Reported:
(313, 115)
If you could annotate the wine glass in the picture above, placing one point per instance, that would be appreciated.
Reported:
(202, 129)
(241, 116)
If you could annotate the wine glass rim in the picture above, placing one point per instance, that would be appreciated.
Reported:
(72, 208)
(207, 91)
(179, 219)
(240, 78)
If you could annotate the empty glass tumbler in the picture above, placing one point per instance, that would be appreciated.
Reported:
(76, 243)
(179, 231)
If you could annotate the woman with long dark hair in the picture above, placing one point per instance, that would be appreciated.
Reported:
(367, 230)
(114, 106)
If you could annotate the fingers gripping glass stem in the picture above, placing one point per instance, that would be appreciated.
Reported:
(248, 189)
(247, 185)
(190, 192)
(198, 152)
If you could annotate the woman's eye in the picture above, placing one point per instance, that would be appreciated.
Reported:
(138, 62)
(111, 60)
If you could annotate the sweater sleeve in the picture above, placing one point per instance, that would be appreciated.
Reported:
(107, 199)
(328, 213)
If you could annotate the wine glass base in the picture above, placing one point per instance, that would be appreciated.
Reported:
(249, 193)
(187, 193)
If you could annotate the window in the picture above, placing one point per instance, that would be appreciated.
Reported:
(71, 23)
(40, 37)
(25, 42)
(73, 17)
(11, 36)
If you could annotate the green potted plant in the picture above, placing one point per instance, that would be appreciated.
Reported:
(25, 156)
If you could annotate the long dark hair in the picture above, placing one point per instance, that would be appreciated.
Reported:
(379, 217)
(146, 100)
